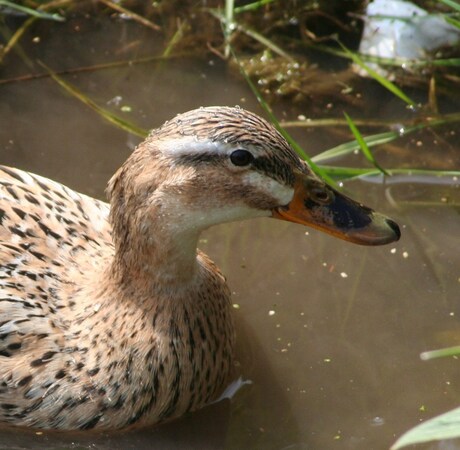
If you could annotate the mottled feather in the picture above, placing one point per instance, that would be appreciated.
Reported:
(109, 316)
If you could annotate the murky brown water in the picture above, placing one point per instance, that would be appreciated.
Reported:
(330, 333)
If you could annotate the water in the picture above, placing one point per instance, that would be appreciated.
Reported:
(329, 333)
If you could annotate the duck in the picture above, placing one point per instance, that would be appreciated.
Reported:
(110, 317)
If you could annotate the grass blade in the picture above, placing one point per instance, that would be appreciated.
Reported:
(264, 41)
(20, 31)
(228, 24)
(383, 138)
(131, 14)
(249, 32)
(397, 62)
(349, 147)
(107, 115)
(441, 353)
(252, 6)
(297, 148)
(362, 144)
(452, 21)
(176, 38)
(453, 62)
(398, 176)
(32, 12)
(15, 39)
(377, 77)
(453, 4)
(93, 68)
(337, 122)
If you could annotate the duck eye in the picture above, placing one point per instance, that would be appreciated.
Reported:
(241, 157)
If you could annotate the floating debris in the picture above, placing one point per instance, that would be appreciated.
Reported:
(399, 29)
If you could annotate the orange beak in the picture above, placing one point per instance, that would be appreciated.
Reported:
(319, 206)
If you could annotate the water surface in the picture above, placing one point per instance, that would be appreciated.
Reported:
(329, 333)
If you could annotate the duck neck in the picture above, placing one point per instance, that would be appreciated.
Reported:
(159, 259)
(154, 238)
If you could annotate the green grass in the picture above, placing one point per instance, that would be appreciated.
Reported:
(37, 13)
(386, 83)
(452, 4)
(330, 173)
(363, 145)
(252, 6)
(233, 25)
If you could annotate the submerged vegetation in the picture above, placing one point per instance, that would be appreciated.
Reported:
(304, 53)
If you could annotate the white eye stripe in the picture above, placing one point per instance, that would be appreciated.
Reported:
(192, 146)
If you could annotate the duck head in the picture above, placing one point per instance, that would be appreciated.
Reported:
(221, 164)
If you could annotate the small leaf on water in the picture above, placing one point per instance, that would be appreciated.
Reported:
(444, 426)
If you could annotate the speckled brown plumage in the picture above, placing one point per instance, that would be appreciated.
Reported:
(74, 346)
(109, 316)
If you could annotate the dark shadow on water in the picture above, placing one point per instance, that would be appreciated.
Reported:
(206, 429)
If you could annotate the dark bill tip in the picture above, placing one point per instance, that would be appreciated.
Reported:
(395, 227)
(337, 214)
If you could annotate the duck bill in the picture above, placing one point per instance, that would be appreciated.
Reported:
(319, 206)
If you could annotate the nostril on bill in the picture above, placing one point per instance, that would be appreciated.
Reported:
(321, 196)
